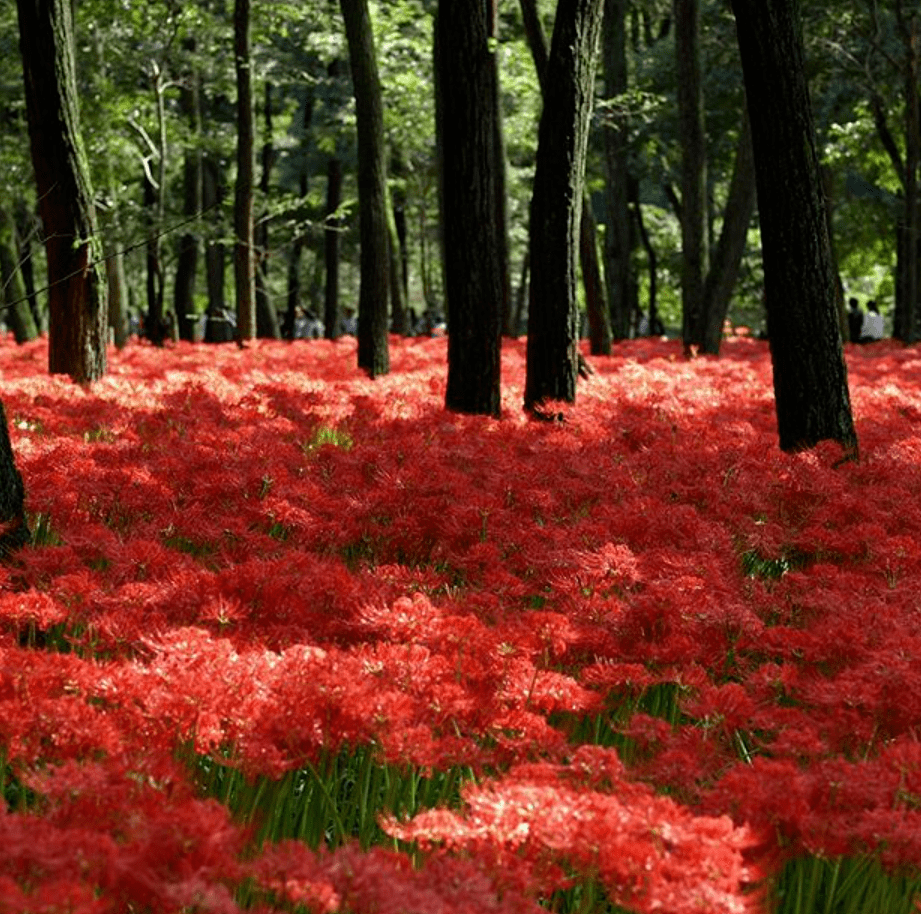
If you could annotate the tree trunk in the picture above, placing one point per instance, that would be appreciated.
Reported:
(14, 530)
(374, 229)
(266, 317)
(218, 327)
(596, 306)
(243, 261)
(187, 260)
(466, 112)
(27, 228)
(331, 233)
(599, 321)
(619, 237)
(78, 310)
(12, 288)
(727, 258)
(297, 246)
(694, 236)
(399, 318)
(155, 319)
(556, 204)
(908, 263)
(810, 375)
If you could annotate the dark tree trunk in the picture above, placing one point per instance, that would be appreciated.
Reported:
(187, 260)
(26, 229)
(908, 238)
(694, 234)
(619, 237)
(810, 375)
(155, 328)
(13, 296)
(266, 318)
(374, 226)
(652, 261)
(599, 322)
(727, 257)
(78, 311)
(596, 306)
(399, 317)
(556, 204)
(14, 530)
(331, 233)
(218, 328)
(297, 247)
(243, 261)
(466, 112)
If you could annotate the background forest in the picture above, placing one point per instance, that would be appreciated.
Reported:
(156, 82)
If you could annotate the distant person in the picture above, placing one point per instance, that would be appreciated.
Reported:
(872, 328)
(855, 320)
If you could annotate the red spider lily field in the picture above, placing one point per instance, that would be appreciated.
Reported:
(289, 639)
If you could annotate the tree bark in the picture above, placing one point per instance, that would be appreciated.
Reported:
(556, 204)
(14, 529)
(12, 287)
(810, 375)
(243, 261)
(596, 307)
(297, 246)
(266, 317)
(694, 235)
(218, 328)
(331, 232)
(727, 257)
(466, 115)
(619, 237)
(908, 263)
(78, 310)
(374, 229)
(154, 319)
(187, 260)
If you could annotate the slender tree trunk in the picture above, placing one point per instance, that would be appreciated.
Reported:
(187, 260)
(599, 321)
(297, 247)
(908, 264)
(111, 225)
(218, 328)
(14, 529)
(694, 233)
(155, 319)
(596, 306)
(374, 229)
(331, 233)
(727, 258)
(266, 317)
(810, 375)
(243, 262)
(556, 204)
(27, 228)
(78, 310)
(398, 315)
(619, 237)
(652, 260)
(466, 112)
(13, 296)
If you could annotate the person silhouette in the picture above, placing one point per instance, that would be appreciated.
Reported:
(854, 320)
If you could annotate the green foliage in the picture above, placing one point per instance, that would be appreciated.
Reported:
(137, 61)
(815, 885)
(339, 797)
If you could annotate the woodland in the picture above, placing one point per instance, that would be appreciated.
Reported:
(322, 588)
